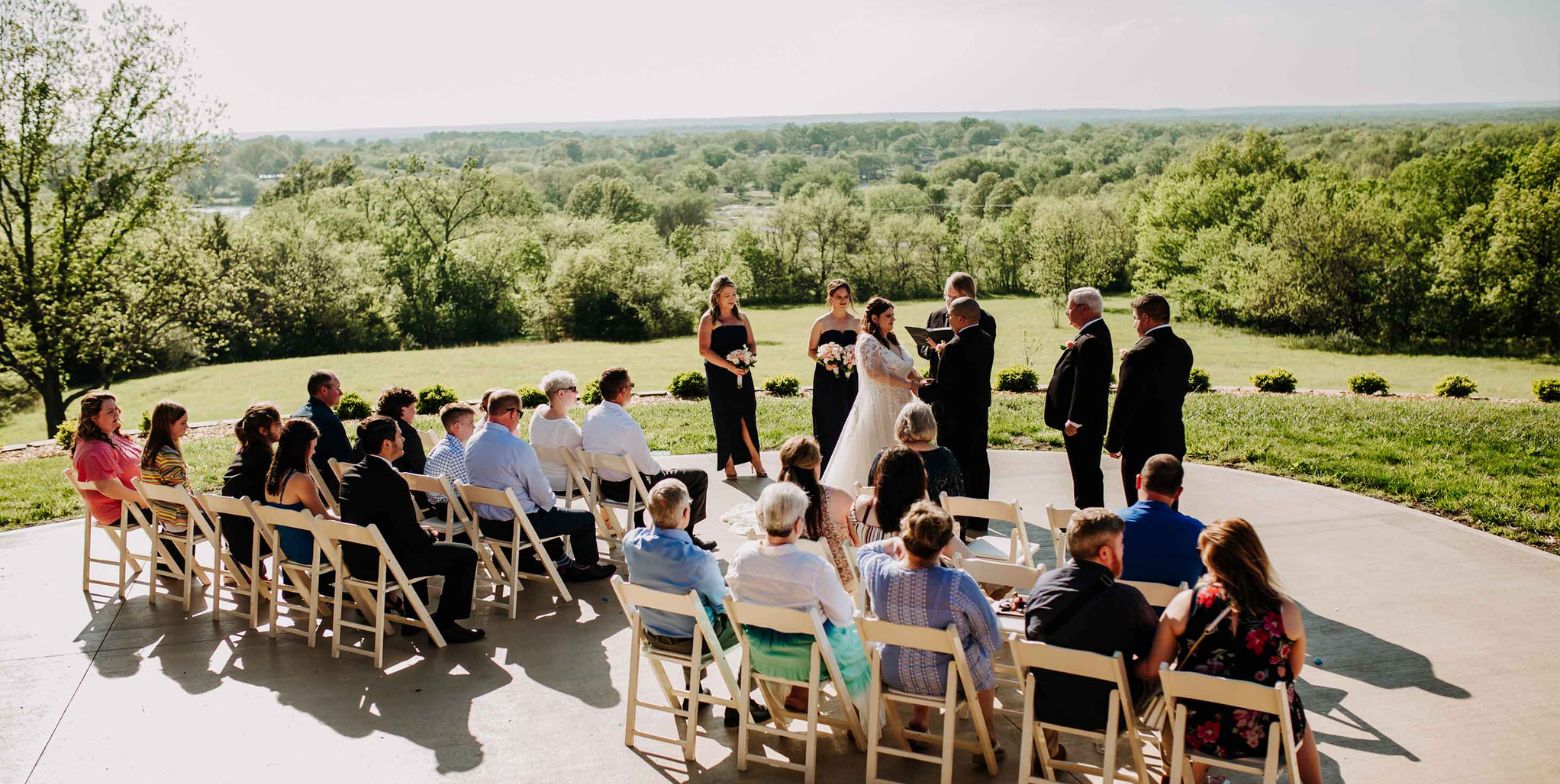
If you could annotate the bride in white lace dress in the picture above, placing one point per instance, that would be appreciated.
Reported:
(888, 382)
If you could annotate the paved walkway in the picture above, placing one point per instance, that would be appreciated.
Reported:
(1437, 643)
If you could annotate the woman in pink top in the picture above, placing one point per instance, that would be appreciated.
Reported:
(105, 457)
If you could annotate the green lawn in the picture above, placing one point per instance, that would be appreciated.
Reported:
(1026, 336)
(1490, 465)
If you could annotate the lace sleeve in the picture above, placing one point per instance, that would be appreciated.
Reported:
(874, 360)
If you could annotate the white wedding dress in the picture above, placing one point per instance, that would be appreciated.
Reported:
(870, 426)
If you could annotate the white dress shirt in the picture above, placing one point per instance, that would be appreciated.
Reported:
(785, 576)
(610, 430)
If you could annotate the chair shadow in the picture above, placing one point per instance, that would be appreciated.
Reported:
(1358, 654)
(750, 486)
(574, 659)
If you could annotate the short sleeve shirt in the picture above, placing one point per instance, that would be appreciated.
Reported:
(168, 469)
(118, 458)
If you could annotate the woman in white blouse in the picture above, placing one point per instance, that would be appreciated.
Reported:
(552, 427)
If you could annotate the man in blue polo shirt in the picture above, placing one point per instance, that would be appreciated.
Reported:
(1161, 542)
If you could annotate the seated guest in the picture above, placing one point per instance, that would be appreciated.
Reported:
(448, 458)
(400, 404)
(1161, 542)
(1081, 606)
(908, 584)
(257, 430)
(610, 430)
(552, 427)
(106, 458)
(663, 558)
(289, 486)
(324, 395)
(373, 492)
(828, 508)
(916, 428)
(497, 458)
(897, 483)
(773, 572)
(1238, 624)
(162, 463)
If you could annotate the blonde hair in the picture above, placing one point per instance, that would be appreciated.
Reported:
(666, 502)
(915, 423)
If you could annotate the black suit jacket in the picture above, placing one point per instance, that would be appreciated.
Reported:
(939, 320)
(1149, 394)
(333, 438)
(1080, 384)
(373, 492)
(961, 396)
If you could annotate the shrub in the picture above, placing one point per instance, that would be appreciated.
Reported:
(782, 386)
(1275, 380)
(531, 397)
(1368, 384)
(431, 399)
(1018, 379)
(690, 385)
(353, 406)
(1455, 386)
(65, 435)
(1198, 381)
(1547, 389)
(146, 421)
(623, 286)
(591, 394)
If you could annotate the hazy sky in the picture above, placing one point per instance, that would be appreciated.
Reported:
(325, 64)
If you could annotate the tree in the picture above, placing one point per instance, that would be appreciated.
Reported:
(1075, 242)
(96, 126)
(834, 227)
(606, 197)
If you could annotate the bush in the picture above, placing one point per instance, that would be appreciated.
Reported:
(431, 399)
(1456, 386)
(782, 386)
(1368, 384)
(1198, 381)
(531, 397)
(689, 386)
(592, 392)
(352, 407)
(1547, 389)
(1018, 379)
(65, 435)
(146, 422)
(623, 286)
(1275, 380)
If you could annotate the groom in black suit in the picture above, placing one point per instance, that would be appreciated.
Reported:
(960, 398)
(1078, 397)
(960, 284)
(1149, 393)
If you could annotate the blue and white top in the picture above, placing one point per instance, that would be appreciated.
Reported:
(448, 459)
(933, 597)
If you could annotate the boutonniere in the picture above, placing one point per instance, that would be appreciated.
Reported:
(1069, 344)
(1125, 352)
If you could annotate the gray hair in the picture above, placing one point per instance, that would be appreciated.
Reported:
(666, 502)
(915, 423)
(1088, 297)
(558, 380)
(780, 506)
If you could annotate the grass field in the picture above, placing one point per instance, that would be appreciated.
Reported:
(1490, 465)
(1025, 336)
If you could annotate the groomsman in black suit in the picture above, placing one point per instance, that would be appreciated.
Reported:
(1149, 393)
(1078, 397)
(960, 284)
(961, 397)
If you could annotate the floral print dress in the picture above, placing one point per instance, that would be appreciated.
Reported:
(1256, 650)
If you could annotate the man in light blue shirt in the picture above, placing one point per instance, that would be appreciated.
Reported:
(1161, 543)
(497, 458)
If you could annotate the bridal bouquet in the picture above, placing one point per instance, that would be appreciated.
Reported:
(742, 358)
(837, 359)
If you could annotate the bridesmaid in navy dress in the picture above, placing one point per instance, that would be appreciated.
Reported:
(723, 329)
(832, 396)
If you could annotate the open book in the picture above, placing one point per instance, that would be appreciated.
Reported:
(930, 337)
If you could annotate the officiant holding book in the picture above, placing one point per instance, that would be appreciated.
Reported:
(960, 284)
(961, 399)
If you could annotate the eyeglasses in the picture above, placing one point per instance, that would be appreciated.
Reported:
(508, 411)
(568, 389)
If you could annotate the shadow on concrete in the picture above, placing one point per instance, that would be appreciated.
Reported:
(559, 647)
(1358, 654)
(750, 486)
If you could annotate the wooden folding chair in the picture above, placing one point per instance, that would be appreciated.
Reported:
(1058, 518)
(164, 562)
(130, 519)
(1272, 700)
(326, 496)
(775, 689)
(1013, 548)
(1120, 717)
(455, 520)
(857, 591)
(259, 587)
(706, 650)
(293, 577)
(575, 485)
(638, 494)
(428, 438)
(1157, 594)
(944, 641)
(505, 554)
(369, 595)
(1014, 577)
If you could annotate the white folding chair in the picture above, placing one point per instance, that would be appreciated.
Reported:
(775, 689)
(857, 591)
(369, 594)
(164, 561)
(638, 494)
(1058, 518)
(505, 554)
(326, 496)
(428, 438)
(130, 519)
(259, 587)
(1157, 594)
(1014, 577)
(575, 485)
(945, 641)
(1013, 548)
(1120, 718)
(706, 649)
(455, 520)
(300, 579)
(1245, 695)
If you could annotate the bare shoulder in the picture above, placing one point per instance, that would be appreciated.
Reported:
(1294, 621)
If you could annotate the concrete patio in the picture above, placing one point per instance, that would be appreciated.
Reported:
(1437, 646)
